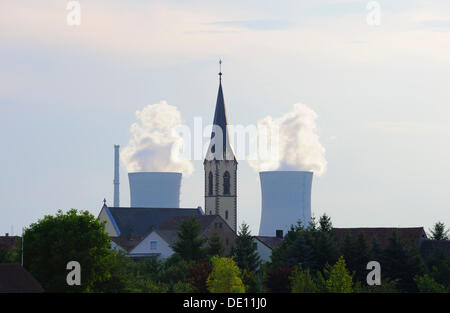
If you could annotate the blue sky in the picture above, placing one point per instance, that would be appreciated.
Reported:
(68, 94)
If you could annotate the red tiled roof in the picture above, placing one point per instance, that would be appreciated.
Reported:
(412, 235)
(271, 242)
(9, 242)
(15, 279)
(127, 242)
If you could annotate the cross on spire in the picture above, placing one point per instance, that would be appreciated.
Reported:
(220, 69)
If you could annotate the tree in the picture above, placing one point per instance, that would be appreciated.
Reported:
(439, 232)
(302, 281)
(215, 245)
(426, 283)
(401, 262)
(245, 252)
(339, 279)
(198, 275)
(325, 224)
(54, 241)
(276, 278)
(189, 244)
(357, 254)
(225, 276)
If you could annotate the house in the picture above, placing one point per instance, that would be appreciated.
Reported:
(158, 242)
(138, 222)
(9, 243)
(413, 236)
(16, 279)
(265, 245)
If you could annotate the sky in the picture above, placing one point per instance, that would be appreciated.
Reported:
(380, 92)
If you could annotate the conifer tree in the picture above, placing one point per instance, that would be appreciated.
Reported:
(245, 252)
(215, 245)
(439, 232)
(189, 244)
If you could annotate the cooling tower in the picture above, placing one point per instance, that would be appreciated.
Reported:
(286, 198)
(154, 189)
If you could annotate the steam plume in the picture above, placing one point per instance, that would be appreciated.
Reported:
(298, 146)
(154, 145)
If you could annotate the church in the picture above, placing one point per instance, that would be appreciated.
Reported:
(150, 231)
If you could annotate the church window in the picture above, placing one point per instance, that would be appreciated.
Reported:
(226, 215)
(226, 183)
(210, 184)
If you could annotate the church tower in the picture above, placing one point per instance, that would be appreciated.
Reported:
(221, 168)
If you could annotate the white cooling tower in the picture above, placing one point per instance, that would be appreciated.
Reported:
(154, 189)
(286, 198)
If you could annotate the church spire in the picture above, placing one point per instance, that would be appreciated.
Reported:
(220, 120)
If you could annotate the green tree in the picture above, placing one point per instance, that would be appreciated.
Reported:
(439, 232)
(325, 224)
(426, 283)
(198, 275)
(276, 278)
(225, 276)
(357, 254)
(54, 241)
(302, 281)
(245, 252)
(339, 279)
(189, 245)
(215, 245)
(401, 262)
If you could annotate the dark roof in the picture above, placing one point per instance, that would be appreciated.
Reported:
(271, 242)
(127, 242)
(429, 247)
(15, 279)
(168, 229)
(412, 235)
(220, 119)
(138, 222)
(9, 242)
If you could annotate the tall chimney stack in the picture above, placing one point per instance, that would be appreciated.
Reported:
(116, 176)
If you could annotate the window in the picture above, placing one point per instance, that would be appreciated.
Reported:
(210, 184)
(226, 241)
(226, 183)
(226, 215)
(153, 245)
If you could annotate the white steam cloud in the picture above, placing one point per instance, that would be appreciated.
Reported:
(155, 145)
(297, 143)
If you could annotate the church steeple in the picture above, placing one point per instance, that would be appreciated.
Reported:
(220, 167)
(220, 121)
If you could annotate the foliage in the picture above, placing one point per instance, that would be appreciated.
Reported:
(182, 287)
(225, 276)
(357, 254)
(198, 275)
(190, 245)
(439, 267)
(54, 241)
(439, 232)
(276, 278)
(215, 245)
(339, 278)
(302, 281)
(426, 283)
(245, 252)
(9, 256)
(401, 262)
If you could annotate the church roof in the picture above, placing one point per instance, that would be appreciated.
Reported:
(220, 120)
(138, 222)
